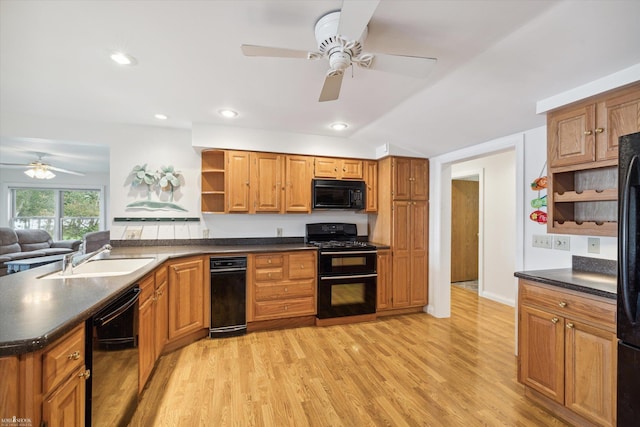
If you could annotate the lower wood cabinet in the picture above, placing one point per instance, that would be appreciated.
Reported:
(282, 285)
(186, 293)
(567, 352)
(384, 289)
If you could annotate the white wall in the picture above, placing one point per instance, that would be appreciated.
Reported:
(498, 227)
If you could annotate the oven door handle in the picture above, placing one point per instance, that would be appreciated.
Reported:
(104, 319)
(351, 276)
(227, 270)
(345, 253)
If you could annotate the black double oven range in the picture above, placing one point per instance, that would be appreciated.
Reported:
(347, 277)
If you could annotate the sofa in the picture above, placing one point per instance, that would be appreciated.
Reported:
(23, 244)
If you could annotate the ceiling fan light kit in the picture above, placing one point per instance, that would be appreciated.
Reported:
(39, 172)
(340, 36)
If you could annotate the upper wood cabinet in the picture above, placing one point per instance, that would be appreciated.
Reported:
(583, 157)
(238, 181)
(213, 181)
(267, 182)
(588, 131)
(410, 178)
(298, 172)
(329, 167)
(371, 182)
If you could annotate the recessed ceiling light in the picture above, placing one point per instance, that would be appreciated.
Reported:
(161, 116)
(228, 113)
(338, 126)
(123, 59)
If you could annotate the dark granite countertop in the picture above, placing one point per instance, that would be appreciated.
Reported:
(589, 275)
(34, 312)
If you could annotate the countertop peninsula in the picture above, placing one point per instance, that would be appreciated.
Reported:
(35, 312)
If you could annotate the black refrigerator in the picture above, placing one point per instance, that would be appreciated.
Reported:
(628, 318)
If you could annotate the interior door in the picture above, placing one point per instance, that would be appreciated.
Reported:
(464, 230)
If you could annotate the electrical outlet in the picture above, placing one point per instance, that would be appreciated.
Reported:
(541, 241)
(205, 233)
(134, 234)
(562, 243)
(593, 245)
(279, 232)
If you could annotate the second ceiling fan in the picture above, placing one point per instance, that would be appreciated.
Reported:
(340, 36)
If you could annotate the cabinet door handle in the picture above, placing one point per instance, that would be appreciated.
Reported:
(555, 320)
(86, 374)
(588, 132)
(599, 130)
(74, 356)
(563, 304)
(570, 325)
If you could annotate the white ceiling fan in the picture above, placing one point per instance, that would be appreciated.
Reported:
(340, 36)
(40, 170)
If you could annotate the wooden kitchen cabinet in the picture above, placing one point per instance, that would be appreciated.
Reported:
(403, 225)
(213, 195)
(282, 285)
(371, 182)
(384, 280)
(161, 310)
(334, 168)
(410, 178)
(298, 172)
(567, 352)
(146, 330)
(47, 386)
(582, 141)
(186, 295)
(267, 182)
(238, 181)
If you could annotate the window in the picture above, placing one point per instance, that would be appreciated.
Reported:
(63, 213)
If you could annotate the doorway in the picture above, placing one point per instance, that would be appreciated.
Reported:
(465, 231)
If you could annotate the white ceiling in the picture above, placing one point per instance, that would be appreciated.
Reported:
(495, 60)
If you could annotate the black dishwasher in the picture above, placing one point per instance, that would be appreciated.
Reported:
(228, 296)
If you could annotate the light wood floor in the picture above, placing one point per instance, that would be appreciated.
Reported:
(410, 370)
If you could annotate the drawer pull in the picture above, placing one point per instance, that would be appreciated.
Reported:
(563, 304)
(269, 275)
(74, 356)
(286, 289)
(301, 266)
(599, 130)
(269, 261)
(86, 374)
(588, 132)
(286, 307)
(570, 325)
(555, 320)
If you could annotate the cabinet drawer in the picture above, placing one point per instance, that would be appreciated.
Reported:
(62, 358)
(266, 274)
(569, 304)
(302, 266)
(285, 308)
(268, 260)
(286, 290)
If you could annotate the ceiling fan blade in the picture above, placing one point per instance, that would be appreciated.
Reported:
(331, 87)
(275, 52)
(14, 165)
(354, 17)
(64, 170)
(413, 66)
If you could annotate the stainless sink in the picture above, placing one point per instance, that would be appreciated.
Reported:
(103, 268)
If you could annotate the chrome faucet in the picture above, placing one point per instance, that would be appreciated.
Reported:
(70, 261)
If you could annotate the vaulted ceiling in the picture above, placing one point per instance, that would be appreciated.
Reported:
(495, 60)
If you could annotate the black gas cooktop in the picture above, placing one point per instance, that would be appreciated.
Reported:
(335, 236)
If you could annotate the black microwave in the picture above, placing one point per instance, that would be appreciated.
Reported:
(338, 194)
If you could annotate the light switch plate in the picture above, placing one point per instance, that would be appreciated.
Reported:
(541, 241)
(562, 243)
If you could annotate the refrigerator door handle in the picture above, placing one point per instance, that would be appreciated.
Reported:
(624, 243)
